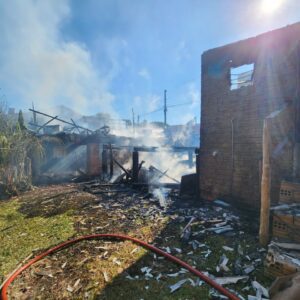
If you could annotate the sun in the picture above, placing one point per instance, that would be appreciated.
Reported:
(270, 6)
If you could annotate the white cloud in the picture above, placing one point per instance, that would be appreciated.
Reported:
(38, 65)
(181, 52)
(145, 74)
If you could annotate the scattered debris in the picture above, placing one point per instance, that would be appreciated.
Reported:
(223, 262)
(288, 246)
(228, 248)
(221, 203)
(105, 275)
(220, 230)
(249, 269)
(187, 231)
(177, 285)
(147, 272)
(116, 261)
(260, 290)
(230, 279)
(281, 262)
(77, 285)
(196, 227)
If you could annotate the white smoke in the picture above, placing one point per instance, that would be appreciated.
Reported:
(149, 135)
(161, 194)
(38, 65)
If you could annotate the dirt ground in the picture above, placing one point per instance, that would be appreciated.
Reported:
(110, 269)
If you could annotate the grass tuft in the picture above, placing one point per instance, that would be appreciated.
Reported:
(19, 235)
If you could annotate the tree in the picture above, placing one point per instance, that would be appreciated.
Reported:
(21, 120)
(17, 146)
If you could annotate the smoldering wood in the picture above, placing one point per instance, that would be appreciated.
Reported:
(135, 166)
(162, 173)
(123, 169)
(110, 191)
(157, 185)
(141, 164)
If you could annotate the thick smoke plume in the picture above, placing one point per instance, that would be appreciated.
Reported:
(164, 159)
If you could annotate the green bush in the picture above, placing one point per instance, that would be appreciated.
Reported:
(17, 145)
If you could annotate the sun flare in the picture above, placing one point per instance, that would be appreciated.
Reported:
(270, 6)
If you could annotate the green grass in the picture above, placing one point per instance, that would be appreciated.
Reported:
(20, 235)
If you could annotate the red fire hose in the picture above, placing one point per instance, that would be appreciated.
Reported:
(121, 237)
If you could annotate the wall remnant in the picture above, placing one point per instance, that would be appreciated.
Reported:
(233, 109)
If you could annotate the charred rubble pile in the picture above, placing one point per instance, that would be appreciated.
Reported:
(211, 235)
(241, 260)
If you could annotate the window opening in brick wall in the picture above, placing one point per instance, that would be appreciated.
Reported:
(241, 76)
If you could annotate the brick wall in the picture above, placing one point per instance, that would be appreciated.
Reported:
(232, 120)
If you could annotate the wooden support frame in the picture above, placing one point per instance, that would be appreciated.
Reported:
(61, 120)
(75, 125)
(52, 119)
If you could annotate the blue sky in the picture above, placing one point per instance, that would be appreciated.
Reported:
(112, 55)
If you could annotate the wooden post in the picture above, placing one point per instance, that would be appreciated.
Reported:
(93, 159)
(111, 162)
(265, 188)
(104, 161)
(135, 166)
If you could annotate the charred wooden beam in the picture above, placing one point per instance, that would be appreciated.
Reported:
(124, 170)
(61, 120)
(111, 162)
(157, 185)
(163, 174)
(75, 125)
(135, 166)
(104, 162)
(52, 119)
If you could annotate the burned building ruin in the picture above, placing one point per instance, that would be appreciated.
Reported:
(244, 83)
